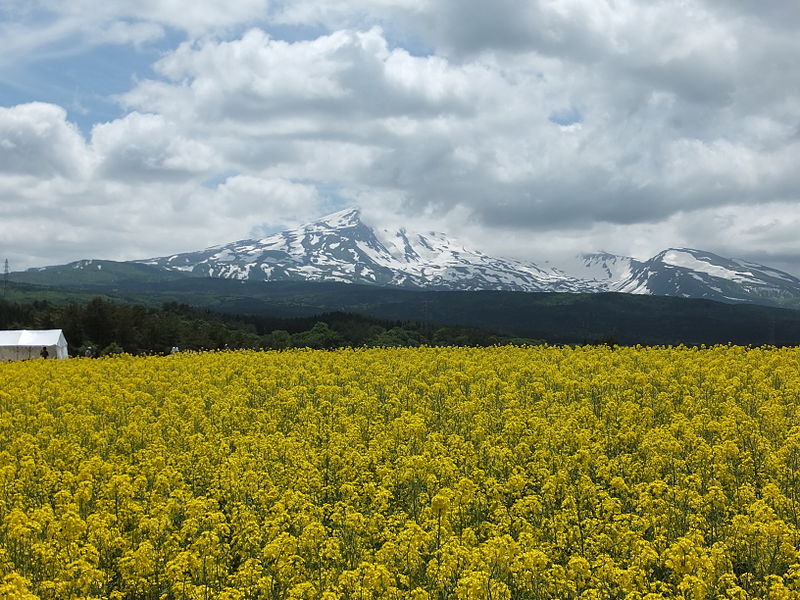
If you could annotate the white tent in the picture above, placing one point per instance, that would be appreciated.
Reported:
(26, 344)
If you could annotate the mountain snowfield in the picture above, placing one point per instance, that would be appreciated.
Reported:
(341, 248)
(689, 273)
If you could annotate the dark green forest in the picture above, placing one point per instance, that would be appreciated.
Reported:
(212, 313)
(102, 327)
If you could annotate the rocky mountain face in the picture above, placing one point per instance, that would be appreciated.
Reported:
(340, 247)
(697, 274)
(604, 269)
(689, 273)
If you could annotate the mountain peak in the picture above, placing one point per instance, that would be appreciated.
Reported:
(347, 217)
(600, 254)
(694, 273)
(341, 220)
(672, 252)
(340, 247)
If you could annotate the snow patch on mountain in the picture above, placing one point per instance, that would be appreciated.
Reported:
(342, 248)
(604, 268)
(688, 260)
(697, 274)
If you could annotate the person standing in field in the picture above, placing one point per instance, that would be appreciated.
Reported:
(44, 353)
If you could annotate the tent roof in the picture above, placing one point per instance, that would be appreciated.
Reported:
(26, 337)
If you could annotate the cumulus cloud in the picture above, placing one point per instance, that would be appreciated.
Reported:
(147, 146)
(269, 203)
(39, 30)
(572, 124)
(478, 133)
(136, 188)
(36, 140)
(323, 109)
(345, 75)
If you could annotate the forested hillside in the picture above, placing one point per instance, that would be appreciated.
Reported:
(102, 327)
(559, 318)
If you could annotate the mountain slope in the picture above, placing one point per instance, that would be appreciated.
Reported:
(93, 272)
(342, 248)
(606, 269)
(554, 317)
(691, 273)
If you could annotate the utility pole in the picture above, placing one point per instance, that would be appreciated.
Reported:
(5, 278)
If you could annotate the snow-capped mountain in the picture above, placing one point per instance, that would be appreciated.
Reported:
(340, 247)
(692, 273)
(605, 269)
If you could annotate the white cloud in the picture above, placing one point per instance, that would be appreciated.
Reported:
(477, 132)
(523, 125)
(139, 33)
(263, 82)
(188, 15)
(135, 191)
(193, 17)
(37, 140)
(268, 202)
(146, 146)
(38, 30)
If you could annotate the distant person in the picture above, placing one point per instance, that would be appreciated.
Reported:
(44, 353)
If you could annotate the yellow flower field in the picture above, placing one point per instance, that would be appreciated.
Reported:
(446, 473)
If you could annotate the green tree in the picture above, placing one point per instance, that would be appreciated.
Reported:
(321, 336)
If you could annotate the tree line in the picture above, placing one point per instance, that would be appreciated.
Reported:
(101, 327)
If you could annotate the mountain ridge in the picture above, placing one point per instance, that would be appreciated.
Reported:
(342, 248)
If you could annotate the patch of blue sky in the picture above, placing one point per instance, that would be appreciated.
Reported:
(566, 117)
(294, 33)
(408, 40)
(217, 180)
(84, 79)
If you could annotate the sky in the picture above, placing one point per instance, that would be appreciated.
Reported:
(531, 129)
